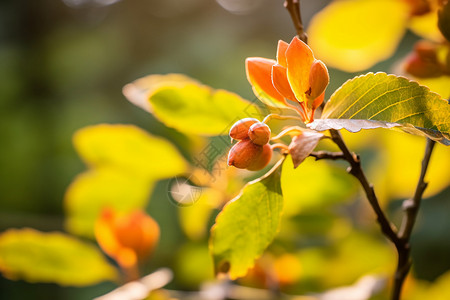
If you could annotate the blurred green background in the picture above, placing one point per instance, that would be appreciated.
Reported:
(63, 64)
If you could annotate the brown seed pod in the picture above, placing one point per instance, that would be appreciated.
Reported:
(259, 133)
(318, 79)
(421, 68)
(239, 130)
(262, 159)
(247, 155)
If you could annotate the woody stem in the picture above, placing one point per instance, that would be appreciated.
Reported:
(293, 7)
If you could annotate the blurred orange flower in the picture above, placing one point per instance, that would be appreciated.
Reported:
(129, 238)
(296, 76)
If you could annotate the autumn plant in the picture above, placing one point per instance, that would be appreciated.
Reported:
(286, 144)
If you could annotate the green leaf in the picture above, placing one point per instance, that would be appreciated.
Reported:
(130, 149)
(125, 163)
(381, 100)
(247, 225)
(52, 257)
(183, 103)
(100, 188)
(315, 185)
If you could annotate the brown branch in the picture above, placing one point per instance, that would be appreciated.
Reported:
(293, 7)
(327, 155)
(411, 208)
(355, 169)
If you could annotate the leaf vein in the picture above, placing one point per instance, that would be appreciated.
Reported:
(394, 104)
(357, 100)
(378, 97)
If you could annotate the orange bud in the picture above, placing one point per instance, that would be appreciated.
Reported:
(127, 239)
(262, 159)
(426, 50)
(247, 155)
(318, 79)
(421, 68)
(259, 133)
(239, 130)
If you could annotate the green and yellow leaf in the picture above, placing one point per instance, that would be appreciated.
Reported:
(247, 225)
(353, 35)
(314, 185)
(188, 106)
(100, 188)
(54, 257)
(129, 149)
(381, 100)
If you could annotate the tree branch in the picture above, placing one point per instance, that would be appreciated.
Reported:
(293, 7)
(318, 155)
(411, 208)
(355, 169)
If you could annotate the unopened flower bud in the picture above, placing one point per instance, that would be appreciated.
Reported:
(421, 68)
(239, 130)
(419, 7)
(247, 155)
(259, 133)
(318, 79)
(426, 50)
(127, 238)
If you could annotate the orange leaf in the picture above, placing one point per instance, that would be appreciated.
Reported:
(259, 75)
(281, 83)
(299, 58)
(302, 145)
(281, 53)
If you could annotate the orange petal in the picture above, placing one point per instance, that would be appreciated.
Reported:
(104, 233)
(281, 83)
(259, 75)
(299, 58)
(281, 53)
(318, 78)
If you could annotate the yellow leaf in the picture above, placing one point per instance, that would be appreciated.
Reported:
(314, 184)
(404, 155)
(52, 257)
(94, 190)
(194, 218)
(130, 149)
(438, 85)
(138, 91)
(353, 35)
(395, 167)
(426, 26)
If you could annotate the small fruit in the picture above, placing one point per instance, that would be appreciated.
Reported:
(424, 62)
(259, 133)
(262, 159)
(247, 155)
(239, 130)
(318, 79)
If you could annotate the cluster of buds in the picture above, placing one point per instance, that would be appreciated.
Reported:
(295, 76)
(424, 61)
(252, 151)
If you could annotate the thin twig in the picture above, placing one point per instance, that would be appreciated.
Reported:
(411, 208)
(293, 7)
(355, 169)
(327, 155)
